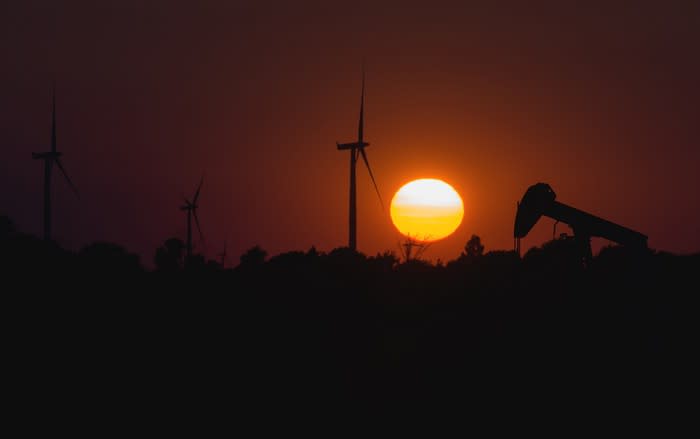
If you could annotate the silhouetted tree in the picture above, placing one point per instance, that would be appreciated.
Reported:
(170, 256)
(345, 324)
(106, 256)
(415, 266)
(253, 258)
(312, 253)
(384, 262)
(289, 259)
(195, 262)
(344, 262)
(561, 252)
(7, 227)
(474, 248)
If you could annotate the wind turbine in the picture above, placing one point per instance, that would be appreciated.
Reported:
(191, 208)
(49, 159)
(356, 149)
(222, 255)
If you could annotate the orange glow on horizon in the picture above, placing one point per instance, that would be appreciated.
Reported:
(427, 210)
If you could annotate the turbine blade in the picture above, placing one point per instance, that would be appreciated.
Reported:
(53, 119)
(196, 194)
(196, 221)
(65, 174)
(364, 157)
(360, 129)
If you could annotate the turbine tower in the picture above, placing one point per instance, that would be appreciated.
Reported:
(49, 159)
(191, 208)
(356, 149)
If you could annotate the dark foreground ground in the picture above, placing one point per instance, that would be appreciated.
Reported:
(95, 335)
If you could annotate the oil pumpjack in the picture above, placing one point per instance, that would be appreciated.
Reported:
(540, 200)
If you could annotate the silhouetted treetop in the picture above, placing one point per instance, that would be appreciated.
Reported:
(7, 227)
(345, 324)
(474, 248)
(170, 256)
(106, 256)
(253, 258)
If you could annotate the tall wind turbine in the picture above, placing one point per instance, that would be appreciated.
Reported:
(191, 208)
(49, 159)
(356, 149)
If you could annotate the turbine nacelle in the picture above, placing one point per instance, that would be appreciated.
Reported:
(189, 206)
(342, 146)
(46, 155)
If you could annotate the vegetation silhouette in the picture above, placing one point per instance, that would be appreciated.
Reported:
(341, 325)
(170, 256)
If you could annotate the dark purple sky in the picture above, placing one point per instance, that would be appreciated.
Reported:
(599, 99)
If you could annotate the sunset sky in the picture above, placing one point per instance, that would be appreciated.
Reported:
(599, 99)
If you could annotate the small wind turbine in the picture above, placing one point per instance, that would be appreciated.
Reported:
(222, 255)
(191, 208)
(357, 148)
(49, 159)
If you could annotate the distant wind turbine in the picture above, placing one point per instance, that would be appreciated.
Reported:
(191, 208)
(49, 159)
(222, 255)
(357, 148)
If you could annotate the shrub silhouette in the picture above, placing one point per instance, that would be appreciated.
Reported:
(107, 257)
(7, 227)
(346, 326)
(474, 248)
(170, 256)
(253, 258)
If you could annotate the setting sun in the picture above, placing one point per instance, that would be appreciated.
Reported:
(427, 209)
